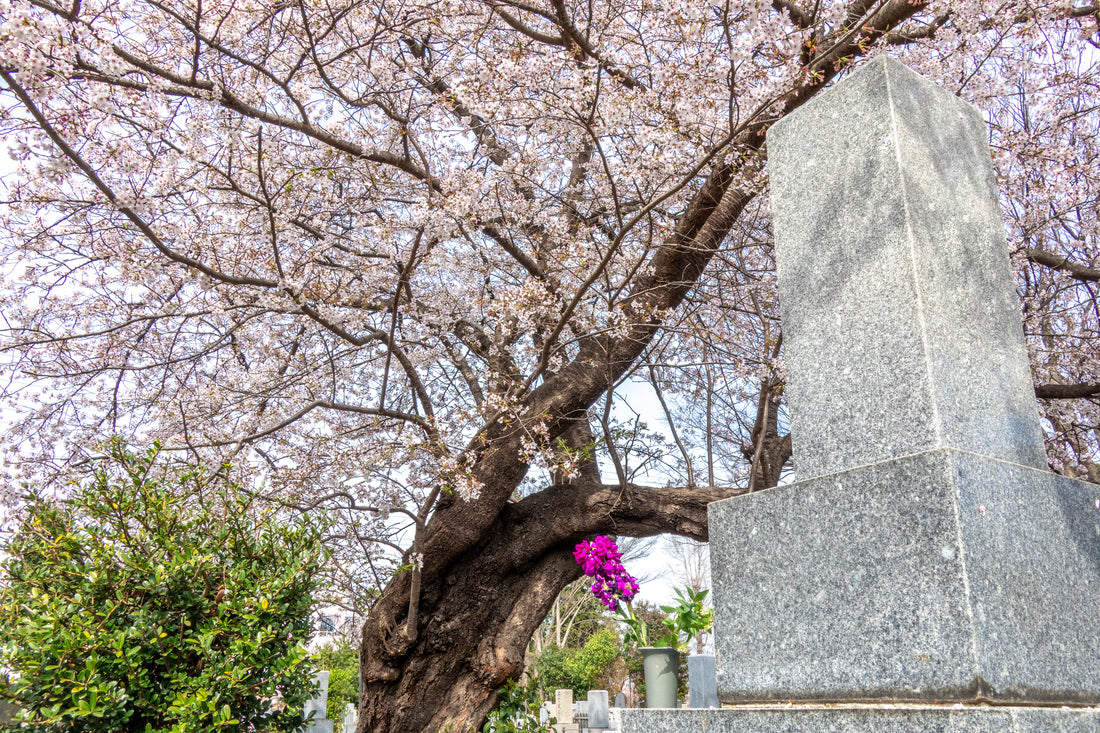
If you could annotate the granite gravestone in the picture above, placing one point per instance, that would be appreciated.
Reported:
(350, 719)
(702, 681)
(563, 712)
(925, 564)
(314, 712)
(597, 709)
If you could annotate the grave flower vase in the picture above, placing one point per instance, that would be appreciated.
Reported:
(660, 665)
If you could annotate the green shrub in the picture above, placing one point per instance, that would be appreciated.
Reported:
(578, 669)
(552, 670)
(149, 601)
(517, 711)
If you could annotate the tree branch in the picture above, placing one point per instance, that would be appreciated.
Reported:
(1066, 391)
(1058, 262)
(107, 191)
(568, 513)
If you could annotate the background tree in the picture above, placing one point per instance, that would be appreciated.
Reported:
(579, 668)
(417, 257)
(139, 604)
(574, 617)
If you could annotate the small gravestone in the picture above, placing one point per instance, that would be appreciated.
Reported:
(702, 681)
(350, 719)
(926, 572)
(316, 707)
(597, 710)
(620, 700)
(563, 712)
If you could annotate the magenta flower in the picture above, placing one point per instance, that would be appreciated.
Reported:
(601, 560)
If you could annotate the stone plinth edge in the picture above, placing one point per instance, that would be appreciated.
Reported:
(886, 719)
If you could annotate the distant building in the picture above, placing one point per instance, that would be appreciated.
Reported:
(332, 625)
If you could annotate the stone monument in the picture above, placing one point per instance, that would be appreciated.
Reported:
(597, 710)
(350, 719)
(925, 572)
(702, 681)
(316, 707)
(562, 711)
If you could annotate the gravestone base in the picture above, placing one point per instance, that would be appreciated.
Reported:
(943, 576)
(863, 719)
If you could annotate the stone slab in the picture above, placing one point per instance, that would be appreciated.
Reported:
(894, 719)
(597, 709)
(901, 324)
(702, 681)
(350, 718)
(562, 711)
(943, 576)
(317, 705)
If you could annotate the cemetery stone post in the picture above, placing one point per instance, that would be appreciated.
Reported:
(317, 706)
(597, 709)
(563, 712)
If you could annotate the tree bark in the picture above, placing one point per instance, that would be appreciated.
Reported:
(478, 613)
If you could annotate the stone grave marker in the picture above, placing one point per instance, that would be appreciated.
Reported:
(351, 718)
(317, 705)
(925, 572)
(563, 712)
(620, 700)
(702, 681)
(546, 709)
(597, 709)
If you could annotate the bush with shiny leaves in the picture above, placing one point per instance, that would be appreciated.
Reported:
(152, 600)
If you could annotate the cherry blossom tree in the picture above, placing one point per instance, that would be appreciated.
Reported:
(415, 258)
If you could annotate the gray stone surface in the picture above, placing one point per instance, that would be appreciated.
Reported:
(901, 324)
(925, 555)
(863, 720)
(940, 576)
(562, 711)
(316, 705)
(597, 709)
(350, 718)
(702, 681)
(661, 666)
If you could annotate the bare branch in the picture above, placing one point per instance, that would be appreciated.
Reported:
(1050, 259)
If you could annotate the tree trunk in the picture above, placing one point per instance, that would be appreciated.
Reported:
(478, 614)
(479, 618)
(769, 451)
